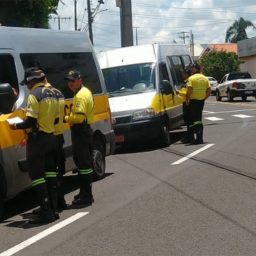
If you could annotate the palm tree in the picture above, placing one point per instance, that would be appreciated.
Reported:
(237, 31)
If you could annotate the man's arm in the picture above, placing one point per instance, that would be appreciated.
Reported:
(208, 92)
(189, 92)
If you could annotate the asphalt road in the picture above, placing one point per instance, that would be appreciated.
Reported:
(179, 200)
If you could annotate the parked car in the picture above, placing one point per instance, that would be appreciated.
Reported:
(213, 83)
(236, 84)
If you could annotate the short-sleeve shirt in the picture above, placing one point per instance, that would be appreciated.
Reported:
(42, 105)
(199, 84)
(83, 104)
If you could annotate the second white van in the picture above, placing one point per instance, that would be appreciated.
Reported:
(141, 82)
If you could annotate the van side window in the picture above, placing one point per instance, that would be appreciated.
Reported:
(176, 66)
(8, 71)
(163, 73)
(186, 60)
(57, 65)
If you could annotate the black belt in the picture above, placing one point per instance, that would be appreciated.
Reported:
(39, 133)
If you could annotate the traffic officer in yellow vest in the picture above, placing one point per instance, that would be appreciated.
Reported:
(41, 112)
(60, 159)
(198, 91)
(80, 120)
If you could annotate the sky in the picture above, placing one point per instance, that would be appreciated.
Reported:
(158, 21)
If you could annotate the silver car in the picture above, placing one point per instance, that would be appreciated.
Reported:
(213, 83)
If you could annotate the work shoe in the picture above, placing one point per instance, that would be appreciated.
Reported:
(44, 218)
(37, 211)
(83, 201)
(198, 141)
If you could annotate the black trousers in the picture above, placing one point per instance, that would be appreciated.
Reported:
(60, 155)
(40, 157)
(42, 169)
(82, 138)
(82, 147)
(196, 112)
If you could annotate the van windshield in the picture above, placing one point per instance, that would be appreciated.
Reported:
(130, 79)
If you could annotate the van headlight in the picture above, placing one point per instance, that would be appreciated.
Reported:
(143, 114)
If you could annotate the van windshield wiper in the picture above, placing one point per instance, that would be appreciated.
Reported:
(121, 91)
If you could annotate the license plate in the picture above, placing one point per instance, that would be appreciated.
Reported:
(119, 138)
(248, 92)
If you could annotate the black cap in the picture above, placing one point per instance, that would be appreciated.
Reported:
(32, 73)
(187, 69)
(73, 75)
(196, 66)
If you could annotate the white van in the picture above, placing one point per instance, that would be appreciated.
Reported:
(142, 82)
(56, 52)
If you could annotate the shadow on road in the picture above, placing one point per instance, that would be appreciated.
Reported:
(146, 146)
(27, 201)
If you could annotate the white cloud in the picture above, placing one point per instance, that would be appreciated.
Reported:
(161, 20)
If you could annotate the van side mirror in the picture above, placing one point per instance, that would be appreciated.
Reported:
(166, 87)
(7, 98)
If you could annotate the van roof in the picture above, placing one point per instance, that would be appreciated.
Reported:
(44, 40)
(139, 54)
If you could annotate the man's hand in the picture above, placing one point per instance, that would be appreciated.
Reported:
(13, 126)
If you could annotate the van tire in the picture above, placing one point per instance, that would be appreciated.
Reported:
(165, 139)
(98, 159)
(2, 192)
(1, 207)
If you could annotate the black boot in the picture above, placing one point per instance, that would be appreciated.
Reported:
(53, 195)
(45, 215)
(199, 134)
(85, 196)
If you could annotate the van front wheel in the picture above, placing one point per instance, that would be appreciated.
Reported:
(165, 139)
(1, 207)
(98, 158)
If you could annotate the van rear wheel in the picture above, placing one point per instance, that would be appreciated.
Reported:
(99, 161)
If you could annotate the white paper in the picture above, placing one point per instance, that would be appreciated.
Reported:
(14, 120)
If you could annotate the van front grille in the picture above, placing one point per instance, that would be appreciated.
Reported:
(123, 119)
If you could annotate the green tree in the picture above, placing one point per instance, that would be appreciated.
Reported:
(237, 31)
(27, 13)
(217, 64)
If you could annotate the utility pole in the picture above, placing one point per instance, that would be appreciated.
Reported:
(126, 22)
(61, 18)
(136, 35)
(75, 14)
(183, 36)
(89, 20)
(192, 44)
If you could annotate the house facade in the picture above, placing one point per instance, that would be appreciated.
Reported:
(247, 54)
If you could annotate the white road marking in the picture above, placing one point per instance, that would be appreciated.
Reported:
(232, 111)
(213, 118)
(242, 116)
(208, 112)
(43, 234)
(183, 159)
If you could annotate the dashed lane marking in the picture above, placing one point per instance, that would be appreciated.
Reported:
(213, 118)
(242, 116)
(43, 234)
(183, 159)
